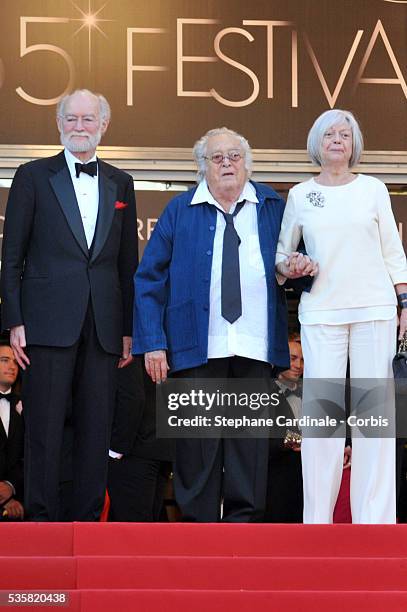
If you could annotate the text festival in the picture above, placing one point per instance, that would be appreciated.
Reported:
(299, 41)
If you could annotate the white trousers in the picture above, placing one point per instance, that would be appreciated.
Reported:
(370, 345)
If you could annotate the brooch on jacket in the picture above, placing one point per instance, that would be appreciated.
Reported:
(316, 198)
(120, 205)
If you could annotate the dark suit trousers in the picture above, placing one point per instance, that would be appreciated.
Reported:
(136, 488)
(77, 381)
(284, 490)
(235, 470)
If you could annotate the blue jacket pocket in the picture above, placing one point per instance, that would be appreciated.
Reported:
(181, 327)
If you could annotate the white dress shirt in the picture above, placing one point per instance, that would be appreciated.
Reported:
(5, 411)
(87, 195)
(246, 337)
(294, 401)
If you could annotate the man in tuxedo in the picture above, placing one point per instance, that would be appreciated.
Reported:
(284, 487)
(11, 440)
(69, 255)
(139, 463)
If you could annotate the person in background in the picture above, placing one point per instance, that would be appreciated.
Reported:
(11, 439)
(348, 227)
(284, 490)
(139, 462)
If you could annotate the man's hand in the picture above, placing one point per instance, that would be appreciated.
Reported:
(297, 265)
(5, 492)
(156, 365)
(13, 509)
(126, 357)
(18, 344)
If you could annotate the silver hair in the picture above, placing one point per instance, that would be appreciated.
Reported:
(325, 121)
(104, 106)
(201, 148)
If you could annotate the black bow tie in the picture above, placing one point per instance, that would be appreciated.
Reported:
(90, 168)
(287, 392)
(6, 396)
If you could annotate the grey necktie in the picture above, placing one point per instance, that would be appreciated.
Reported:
(231, 298)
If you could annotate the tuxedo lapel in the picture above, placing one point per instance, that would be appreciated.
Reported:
(3, 435)
(107, 198)
(14, 416)
(63, 188)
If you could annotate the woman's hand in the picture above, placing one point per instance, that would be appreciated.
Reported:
(297, 265)
(403, 322)
(401, 291)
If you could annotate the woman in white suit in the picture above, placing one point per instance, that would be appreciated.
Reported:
(348, 227)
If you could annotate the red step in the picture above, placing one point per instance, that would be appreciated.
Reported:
(248, 573)
(212, 567)
(223, 539)
(241, 601)
(44, 573)
(41, 539)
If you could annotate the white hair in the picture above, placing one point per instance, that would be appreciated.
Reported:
(104, 106)
(323, 123)
(201, 148)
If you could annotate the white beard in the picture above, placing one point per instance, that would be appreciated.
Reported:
(89, 144)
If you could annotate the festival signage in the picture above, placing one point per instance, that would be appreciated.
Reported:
(173, 69)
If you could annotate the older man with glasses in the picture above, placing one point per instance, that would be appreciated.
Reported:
(208, 306)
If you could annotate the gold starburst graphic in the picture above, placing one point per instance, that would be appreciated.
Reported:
(90, 20)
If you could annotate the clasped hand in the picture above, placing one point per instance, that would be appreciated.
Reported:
(297, 265)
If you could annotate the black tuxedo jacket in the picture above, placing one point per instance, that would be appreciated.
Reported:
(48, 272)
(12, 451)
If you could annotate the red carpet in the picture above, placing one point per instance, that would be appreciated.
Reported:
(178, 567)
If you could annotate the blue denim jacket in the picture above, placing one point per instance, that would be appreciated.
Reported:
(173, 279)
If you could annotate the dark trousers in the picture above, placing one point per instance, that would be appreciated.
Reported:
(77, 381)
(136, 488)
(284, 490)
(235, 470)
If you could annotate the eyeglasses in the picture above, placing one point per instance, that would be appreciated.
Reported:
(217, 158)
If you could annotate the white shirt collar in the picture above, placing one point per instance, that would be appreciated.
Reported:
(202, 194)
(71, 160)
(6, 392)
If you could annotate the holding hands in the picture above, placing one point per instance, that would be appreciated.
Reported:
(297, 265)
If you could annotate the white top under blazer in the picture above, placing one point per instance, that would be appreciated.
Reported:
(246, 337)
(351, 232)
